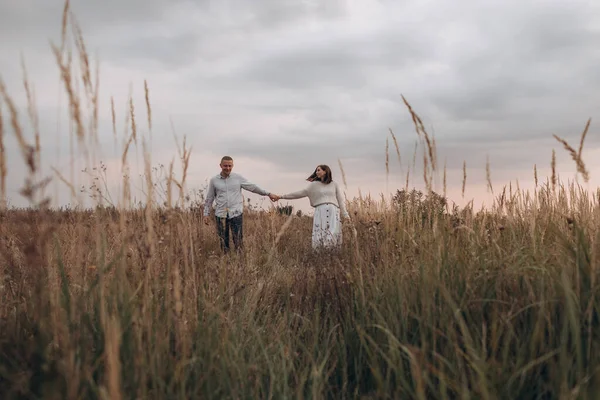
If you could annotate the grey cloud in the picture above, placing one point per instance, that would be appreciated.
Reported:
(553, 33)
(351, 63)
(484, 99)
(277, 13)
(169, 52)
(35, 18)
(544, 52)
(109, 13)
(128, 33)
(120, 32)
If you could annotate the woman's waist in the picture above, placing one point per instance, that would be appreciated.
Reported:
(325, 203)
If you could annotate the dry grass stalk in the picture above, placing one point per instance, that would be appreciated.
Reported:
(434, 148)
(185, 161)
(488, 174)
(132, 120)
(397, 147)
(576, 155)
(66, 182)
(345, 186)
(280, 234)
(426, 178)
(65, 20)
(95, 105)
(583, 135)
(553, 166)
(422, 132)
(114, 119)
(444, 180)
(178, 306)
(343, 173)
(535, 175)
(149, 199)
(387, 156)
(502, 199)
(27, 151)
(84, 59)
(170, 186)
(126, 151)
(416, 120)
(3, 171)
(354, 233)
(464, 182)
(75, 106)
(126, 198)
(184, 156)
(387, 161)
(113, 362)
(32, 110)
(148, 107)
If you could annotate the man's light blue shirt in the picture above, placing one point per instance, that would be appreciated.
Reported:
(227, 194)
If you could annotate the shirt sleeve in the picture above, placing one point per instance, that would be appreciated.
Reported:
(210, 197)
(251, 187)
(341, 201)
(296, 195)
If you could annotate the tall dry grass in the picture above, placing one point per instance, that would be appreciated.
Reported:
(420, 302)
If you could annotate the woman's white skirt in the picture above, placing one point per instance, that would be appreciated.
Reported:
(327, 226)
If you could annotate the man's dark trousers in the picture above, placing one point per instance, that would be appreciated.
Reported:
(235, 225)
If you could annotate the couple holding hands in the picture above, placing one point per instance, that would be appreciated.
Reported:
(325, 195)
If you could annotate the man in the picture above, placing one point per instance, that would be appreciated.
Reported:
(226, 190)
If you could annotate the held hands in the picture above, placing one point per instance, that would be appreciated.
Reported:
(274, 197)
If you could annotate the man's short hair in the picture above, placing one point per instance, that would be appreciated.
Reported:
(226, 158)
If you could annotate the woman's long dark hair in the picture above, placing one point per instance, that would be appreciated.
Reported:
(326, 179)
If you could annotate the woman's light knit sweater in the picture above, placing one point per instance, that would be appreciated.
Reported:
(321, 193)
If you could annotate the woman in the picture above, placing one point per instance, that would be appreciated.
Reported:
(326, 197)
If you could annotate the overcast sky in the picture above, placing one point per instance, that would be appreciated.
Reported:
(284, 85)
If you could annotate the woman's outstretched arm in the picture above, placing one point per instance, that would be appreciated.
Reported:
(295, 195)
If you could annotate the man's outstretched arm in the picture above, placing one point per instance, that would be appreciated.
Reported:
(252, 187)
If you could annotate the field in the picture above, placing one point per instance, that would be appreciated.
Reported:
(422, 301)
